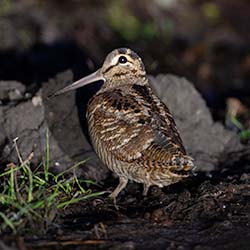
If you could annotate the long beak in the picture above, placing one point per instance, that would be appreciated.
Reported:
(96, 76)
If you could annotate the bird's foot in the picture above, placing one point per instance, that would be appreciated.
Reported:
(145, 189)
(122, 184)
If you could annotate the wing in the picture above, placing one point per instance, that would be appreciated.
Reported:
(133, 123)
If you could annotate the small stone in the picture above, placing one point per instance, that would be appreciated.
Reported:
(245, 177)
(37, 101)
(11, 91)
(157, 215)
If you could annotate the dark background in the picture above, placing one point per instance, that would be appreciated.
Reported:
(205, 41)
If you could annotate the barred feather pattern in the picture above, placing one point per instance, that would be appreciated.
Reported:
(135, 135)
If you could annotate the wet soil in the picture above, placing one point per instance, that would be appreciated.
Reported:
(200, 213)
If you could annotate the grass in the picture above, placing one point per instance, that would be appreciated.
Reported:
(244, 133)
(31, 199)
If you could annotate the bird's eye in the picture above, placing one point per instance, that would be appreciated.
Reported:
(122, 59)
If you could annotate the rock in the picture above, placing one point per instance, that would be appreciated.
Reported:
(63, 120)
(28, 121)
(11, 91)
(23, 121)
(3, 136)
(208, 142)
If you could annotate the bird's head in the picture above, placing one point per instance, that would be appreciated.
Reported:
(121, 66)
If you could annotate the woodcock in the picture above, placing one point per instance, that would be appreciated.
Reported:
(131, 130)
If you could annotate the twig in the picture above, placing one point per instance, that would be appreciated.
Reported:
(23, 163)
(66, 243)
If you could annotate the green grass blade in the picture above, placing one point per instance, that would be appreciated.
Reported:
(10, 171)
(7, 222)
(79, 185)
(39, 181)
(245, 134)
(30, 198)
(30, 188)
(71, 168)
(47, 157)
(12, 186)
(236, 122)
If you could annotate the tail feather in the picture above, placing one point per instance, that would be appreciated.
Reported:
(181, 164)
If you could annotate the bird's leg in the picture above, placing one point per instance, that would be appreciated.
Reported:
(122, 184)
(145, 189)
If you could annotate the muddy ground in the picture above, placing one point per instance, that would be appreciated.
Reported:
(208, 211)
(202, 213)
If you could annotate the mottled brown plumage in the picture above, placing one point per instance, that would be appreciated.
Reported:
(131, 130)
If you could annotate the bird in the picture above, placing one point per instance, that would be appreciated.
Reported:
(131, 129)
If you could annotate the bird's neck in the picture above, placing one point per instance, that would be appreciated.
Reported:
(128, 81)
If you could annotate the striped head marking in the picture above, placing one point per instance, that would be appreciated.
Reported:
(121, 66)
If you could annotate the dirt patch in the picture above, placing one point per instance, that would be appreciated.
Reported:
(201, 213)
